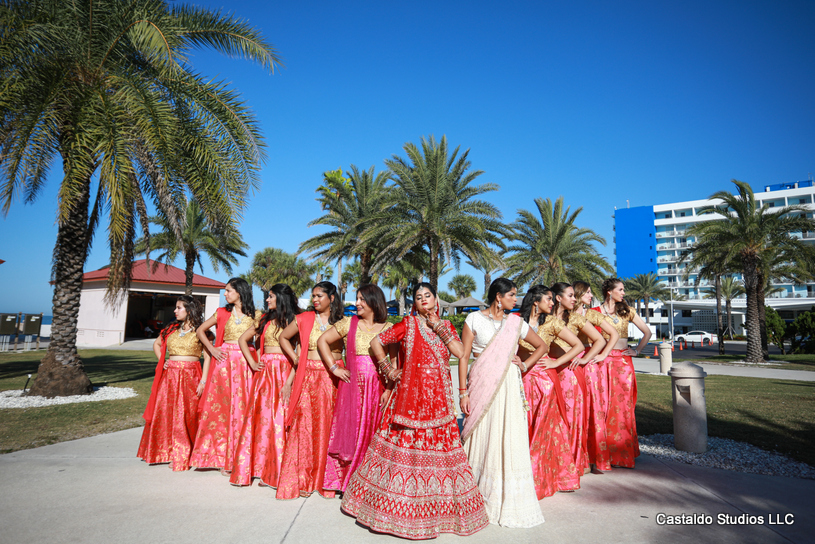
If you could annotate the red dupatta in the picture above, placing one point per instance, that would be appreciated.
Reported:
(347, 412)
(305, 322)
(222, 317)
(151, 402)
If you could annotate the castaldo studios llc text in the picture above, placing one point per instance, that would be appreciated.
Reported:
(725, 519)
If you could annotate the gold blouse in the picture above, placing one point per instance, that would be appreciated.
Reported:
(619, 323)
(548, 332)
(272, 337)
(316, 333)
(595, 318)
(184, 346)
(233, 331)
(576, 322)
(363, 337)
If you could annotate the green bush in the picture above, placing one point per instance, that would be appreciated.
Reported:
(802, 332)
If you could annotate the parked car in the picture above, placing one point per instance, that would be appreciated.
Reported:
(702, 337)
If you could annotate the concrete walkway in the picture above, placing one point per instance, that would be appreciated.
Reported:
(651, 366)
(94, 490)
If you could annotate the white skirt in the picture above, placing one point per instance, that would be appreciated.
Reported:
(498, 452)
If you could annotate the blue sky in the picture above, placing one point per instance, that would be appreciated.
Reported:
(600, 102)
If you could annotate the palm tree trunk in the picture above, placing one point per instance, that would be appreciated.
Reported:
(762, 321)
(189, 272)
(434, 264)
(752, 286)
(61, 372)
(365, 267)
(718, 282)
(729, 310)
(647, 317)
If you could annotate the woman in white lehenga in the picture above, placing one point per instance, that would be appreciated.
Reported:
(496, 433)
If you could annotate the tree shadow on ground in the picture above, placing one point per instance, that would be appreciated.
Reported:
(102, 366)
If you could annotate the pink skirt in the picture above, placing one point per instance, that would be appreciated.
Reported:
(337, 472)
(621, 425)
(306, 450)
(260, 446)
(223, 411)
(169, 437)
(553, 466)
(597, 408)
(573, 393)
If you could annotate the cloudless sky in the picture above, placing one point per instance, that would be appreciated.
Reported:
(604, 103)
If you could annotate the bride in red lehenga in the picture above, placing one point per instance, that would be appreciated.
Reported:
(415, 481)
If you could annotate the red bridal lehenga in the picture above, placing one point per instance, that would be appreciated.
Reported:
(553, 465)
(172, 411)
(414, 481)
(260, 446)
(621, 424)
(357, 412)
(226, 395)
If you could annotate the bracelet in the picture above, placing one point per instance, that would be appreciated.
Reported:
(462, 395)
(333, 368)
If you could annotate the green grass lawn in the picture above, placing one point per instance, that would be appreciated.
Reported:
(32, 427)
(776, 415)
(772, 414)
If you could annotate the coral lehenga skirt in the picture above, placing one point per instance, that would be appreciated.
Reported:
(415, 483)
(597, 409)
(553, 465)
(338, 472)
(222, 412)
(621, 425)
(260, 445)
(169, 437)
(305, 452)
(573, 385)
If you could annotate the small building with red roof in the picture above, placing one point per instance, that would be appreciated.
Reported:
(146, 307)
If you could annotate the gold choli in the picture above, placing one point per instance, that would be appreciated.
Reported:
(576, 322)
(233, 331)
(272, 337)
(621, 326)
(316, 333)
(548, 332)
(184, 346)
(363, 337)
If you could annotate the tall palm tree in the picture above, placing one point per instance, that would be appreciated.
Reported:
(107, 87)
(730, 288)
(322, 271)
(752, 236)
(488, 266)
(435, 209)
(273, 265)
(550, 247)
(399, 276)
(462, 285)
(221, 245)
(350, 203)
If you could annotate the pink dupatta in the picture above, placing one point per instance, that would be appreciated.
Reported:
(347, 412)
(489, 371)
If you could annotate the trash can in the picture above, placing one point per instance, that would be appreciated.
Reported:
(690, 412)
(665, 358)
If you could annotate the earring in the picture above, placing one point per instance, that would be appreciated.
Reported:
(499, 304)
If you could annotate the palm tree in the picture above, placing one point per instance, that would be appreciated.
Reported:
(273, 265)
(322, 271)
(487, 265)
(399, 276)
(550, 247)
(352, 275)
(730, 288)
(435, 209)
(462, 285)
(752, 236)
(350, 203)
(196, 238)
(107, 87)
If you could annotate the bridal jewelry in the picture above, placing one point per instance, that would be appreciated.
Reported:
(182, 332)
(614, 318)
(323, 326)
(236, 318)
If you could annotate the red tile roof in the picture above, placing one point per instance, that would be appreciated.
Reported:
(156, 273)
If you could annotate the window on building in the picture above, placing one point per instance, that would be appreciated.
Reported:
(682, 214)
(687, 313)
(772, 204)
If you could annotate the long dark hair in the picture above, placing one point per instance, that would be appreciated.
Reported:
(287, 308)
(532, 297)
(337, 309)
(245, 292)
(195, 314)
(500, 286)
(558, 289)
(417, 288)
(620, 308)
(375, 299)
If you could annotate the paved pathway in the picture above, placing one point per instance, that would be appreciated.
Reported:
(94, 490)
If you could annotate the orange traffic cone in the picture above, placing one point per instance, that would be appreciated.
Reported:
(672, 347)
(693, 344)
(656, 354)
(680, 346)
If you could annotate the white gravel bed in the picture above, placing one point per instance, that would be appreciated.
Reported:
(14, 399)
(729, 455)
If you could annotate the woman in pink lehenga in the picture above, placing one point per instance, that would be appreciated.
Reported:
(310, 393)
(361, 392)
(572, 376)
(596, 374)
(172, 410)
(260, 447)
(621, 425)
(226, 391)
(553, 465)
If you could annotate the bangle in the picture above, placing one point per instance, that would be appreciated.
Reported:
(333, 368)
(462, 395)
